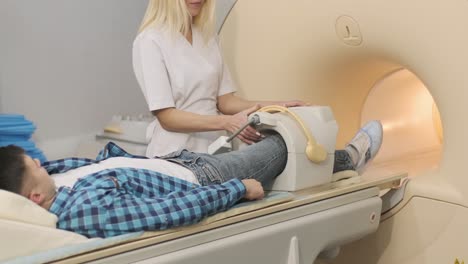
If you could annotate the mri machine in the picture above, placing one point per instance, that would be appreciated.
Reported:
(402, 62)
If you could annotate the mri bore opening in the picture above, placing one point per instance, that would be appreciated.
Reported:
(413, 135)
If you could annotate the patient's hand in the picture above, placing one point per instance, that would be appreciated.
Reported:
(254, 190)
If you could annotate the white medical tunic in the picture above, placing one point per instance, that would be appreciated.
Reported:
(172, 72)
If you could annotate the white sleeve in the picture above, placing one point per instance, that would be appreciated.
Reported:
(152, 75)
(226, 84)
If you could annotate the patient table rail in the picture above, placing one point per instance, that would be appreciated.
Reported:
(316, 227)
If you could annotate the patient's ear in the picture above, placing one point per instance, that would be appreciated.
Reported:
(37, 198)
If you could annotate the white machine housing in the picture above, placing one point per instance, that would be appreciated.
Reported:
(300, 172)
(337, 52)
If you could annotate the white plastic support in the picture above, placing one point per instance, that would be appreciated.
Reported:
(220, 146)
(301, 172)
(293, 257)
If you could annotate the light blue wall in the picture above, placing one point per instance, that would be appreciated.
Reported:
(1, 107)
(66, 64)
(222, 10)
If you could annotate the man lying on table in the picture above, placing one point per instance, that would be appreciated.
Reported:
(120, 193)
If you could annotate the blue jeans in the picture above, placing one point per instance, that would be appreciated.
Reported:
(262, 161)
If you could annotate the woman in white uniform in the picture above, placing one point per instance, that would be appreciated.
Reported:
(178, 64)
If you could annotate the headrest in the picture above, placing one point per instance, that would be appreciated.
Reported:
(15, 207)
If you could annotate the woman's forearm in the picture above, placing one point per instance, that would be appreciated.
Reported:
(231, 104)
(175, 120)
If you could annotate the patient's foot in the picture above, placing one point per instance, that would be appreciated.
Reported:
(365, 144)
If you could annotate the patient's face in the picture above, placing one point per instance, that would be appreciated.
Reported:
(37, 176)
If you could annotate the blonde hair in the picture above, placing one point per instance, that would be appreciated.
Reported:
(175, 15)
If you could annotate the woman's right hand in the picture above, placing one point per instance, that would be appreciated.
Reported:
(234, 122)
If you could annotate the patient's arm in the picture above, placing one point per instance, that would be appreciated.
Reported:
(118, 213)
(254, 189)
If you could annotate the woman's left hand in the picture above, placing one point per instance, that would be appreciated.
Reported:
(293, 103)
(289, 103)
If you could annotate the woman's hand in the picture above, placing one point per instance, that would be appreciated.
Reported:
(234, 122)
(292, 103)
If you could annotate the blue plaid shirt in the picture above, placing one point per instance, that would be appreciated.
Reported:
(118, 201)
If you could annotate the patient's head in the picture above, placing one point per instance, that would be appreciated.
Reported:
(23, 175)
(12, 168)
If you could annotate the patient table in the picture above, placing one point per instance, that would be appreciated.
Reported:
(296, 230)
